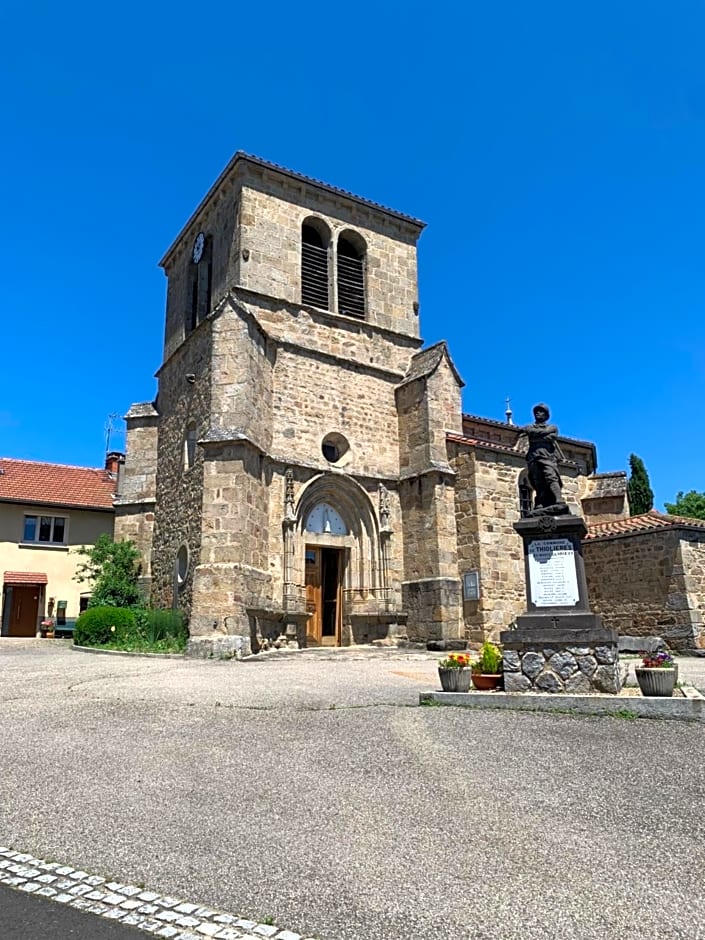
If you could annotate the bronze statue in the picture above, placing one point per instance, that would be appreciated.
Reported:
(542, 462)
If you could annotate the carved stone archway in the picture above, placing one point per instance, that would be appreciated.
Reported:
(355, 530)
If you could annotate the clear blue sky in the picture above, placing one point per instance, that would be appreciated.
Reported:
(556, 151)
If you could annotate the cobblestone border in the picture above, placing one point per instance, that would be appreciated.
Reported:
(156, 914)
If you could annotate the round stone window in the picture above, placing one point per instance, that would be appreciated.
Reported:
(335, 448)
(181, 565)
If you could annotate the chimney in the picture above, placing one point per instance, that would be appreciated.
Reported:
(113, 461)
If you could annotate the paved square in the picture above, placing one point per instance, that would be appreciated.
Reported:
(311, 789)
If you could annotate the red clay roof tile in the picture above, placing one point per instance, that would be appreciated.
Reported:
(646, 522)
(51, 484)
(25, 577)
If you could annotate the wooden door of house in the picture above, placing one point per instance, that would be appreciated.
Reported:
(25, 605)
(323, 594)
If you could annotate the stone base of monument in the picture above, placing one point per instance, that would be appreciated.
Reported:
(574, 661)
(558, 645)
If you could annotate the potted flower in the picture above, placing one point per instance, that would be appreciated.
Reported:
(46, 628)
(454, 672)
(657, 674)
(487, 669)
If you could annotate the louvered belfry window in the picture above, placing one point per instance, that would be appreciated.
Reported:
(314, 268)
(351, 278)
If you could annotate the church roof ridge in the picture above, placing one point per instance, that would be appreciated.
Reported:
(242, 156)
(425, 362)
(518, 428)
(268, 164)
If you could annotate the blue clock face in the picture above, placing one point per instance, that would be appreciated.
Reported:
(324, 520)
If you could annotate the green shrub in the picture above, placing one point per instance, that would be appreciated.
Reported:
(100, 626)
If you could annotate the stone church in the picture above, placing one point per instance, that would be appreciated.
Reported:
(306, 471)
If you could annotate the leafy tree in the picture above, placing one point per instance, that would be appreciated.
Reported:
(690, 504)
(641, 496)
(114, 569)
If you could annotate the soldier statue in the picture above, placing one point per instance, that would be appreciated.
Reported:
(542, 462)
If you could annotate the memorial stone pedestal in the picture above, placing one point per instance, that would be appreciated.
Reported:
(558, 645)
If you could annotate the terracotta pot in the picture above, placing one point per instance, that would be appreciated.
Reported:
(486, 681)
(455, 680)
(657, 681)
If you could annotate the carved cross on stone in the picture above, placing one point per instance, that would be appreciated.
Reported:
(555, 620)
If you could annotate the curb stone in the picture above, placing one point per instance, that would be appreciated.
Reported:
(691, 707)
(156, 914)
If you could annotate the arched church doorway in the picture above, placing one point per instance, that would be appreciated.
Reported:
(323, 595)
(324, 567)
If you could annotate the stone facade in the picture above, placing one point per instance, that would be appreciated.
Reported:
(306, 472)
(300, 415)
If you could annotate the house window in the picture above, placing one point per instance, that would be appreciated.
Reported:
(50, 530)
(200, 281)
(350, 271)
(315, 277)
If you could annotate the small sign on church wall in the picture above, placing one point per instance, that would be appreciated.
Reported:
(471, 586)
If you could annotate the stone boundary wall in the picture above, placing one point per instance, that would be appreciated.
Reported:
(641, 584)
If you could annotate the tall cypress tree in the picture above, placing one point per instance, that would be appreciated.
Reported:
(641, 496)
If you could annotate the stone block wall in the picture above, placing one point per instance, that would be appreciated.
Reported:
(137, 485)
(430, 548)
(487, 506)
(241, 379)
(181, 403)
(315, 396)
(641, 586)
(218, 220)
(693, 560)
(433, 606)
(273, 209)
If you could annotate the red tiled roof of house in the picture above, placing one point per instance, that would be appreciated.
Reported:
(51, 484)
(646, 522)
(25, 577)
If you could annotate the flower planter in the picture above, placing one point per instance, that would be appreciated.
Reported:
(658, 681)
(454, 679)
(486, 681)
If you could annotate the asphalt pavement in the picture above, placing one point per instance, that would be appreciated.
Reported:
(310, 789)
(24, 917)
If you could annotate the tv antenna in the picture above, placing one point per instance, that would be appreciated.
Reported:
(109, 428)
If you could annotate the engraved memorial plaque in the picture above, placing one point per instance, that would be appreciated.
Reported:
(552, 574)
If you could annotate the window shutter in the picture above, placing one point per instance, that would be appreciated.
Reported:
(314, 269)
(351, 285)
